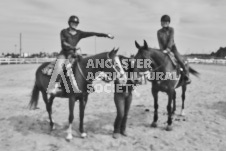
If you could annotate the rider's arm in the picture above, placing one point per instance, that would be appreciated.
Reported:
(159, 40)
(89, 34)
(171, 40)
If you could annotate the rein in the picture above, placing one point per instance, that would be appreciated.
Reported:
(80, 71)
(121, 73)
(109, 60)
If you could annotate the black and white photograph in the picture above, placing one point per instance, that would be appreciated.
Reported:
(113, 75)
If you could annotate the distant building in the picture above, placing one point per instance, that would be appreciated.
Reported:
(25, 54)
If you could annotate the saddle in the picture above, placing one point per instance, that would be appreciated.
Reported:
(48, 70)
(172, 58)
(67, 70)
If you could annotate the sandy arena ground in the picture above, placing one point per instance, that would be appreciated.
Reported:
(202, 129)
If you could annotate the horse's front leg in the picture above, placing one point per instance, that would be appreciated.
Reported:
(82, 105)
(71, 116)
(155, 96)
(169, 110)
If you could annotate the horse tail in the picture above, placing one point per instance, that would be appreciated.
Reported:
(194, 72)
(34, 97)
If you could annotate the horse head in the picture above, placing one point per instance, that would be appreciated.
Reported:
(145, 60)
(115, 66)
(108, 63)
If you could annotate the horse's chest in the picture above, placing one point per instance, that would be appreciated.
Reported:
(161, 86)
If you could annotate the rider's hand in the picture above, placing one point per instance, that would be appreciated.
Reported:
(110, 36)
(165, 51)
(77, 48)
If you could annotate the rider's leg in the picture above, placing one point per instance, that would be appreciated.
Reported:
(180, 61)
(58, 69)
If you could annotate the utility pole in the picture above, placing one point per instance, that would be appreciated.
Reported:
(95, 46)
(15, 48)
(20, 44)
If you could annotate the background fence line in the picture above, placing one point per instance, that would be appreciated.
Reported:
(208, 61)
(24, 60)
(42, 60)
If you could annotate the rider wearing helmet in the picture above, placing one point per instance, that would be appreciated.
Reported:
(166, 43)
(69, 40)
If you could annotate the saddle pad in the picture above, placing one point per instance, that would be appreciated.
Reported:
(172, 58)
(48, 70)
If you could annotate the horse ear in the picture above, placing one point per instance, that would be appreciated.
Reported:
(137, 45)
(80, 58)
(145, 44)
(116, 50)
(112, 53)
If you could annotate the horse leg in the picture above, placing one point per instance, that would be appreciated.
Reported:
(128, 101)
(52, 126)
(184, 87)
(82, 105)
(71, 117)
(48, 107)
(120, 106)
(169, 110)
(155, 95)
(174, 102)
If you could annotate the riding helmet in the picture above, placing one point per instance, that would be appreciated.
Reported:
(165, 18)
(74, 19)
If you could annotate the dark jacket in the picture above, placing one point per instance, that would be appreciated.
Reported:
(73, 40)
(166, 38)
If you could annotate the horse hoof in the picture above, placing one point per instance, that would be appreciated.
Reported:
(53, 127)
(182, 113)
(84, 135)
(169, 128)
(116, 135)
(154, 124)
(69, 137)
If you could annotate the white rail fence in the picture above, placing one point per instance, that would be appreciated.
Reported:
(42, 60)
(208, 61)
(24, 60)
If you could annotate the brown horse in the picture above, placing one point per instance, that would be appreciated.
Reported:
(163, 69)
(81, 72)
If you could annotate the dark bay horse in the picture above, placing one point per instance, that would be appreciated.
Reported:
(80, 71)
(161, 63)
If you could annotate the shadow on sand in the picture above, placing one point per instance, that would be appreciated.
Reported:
(221, 107)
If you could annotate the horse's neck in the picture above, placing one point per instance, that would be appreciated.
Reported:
(88, 64)
(160, 60)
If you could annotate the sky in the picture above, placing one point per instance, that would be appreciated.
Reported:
(200, 25)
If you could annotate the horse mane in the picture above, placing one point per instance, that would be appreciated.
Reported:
(157, 55)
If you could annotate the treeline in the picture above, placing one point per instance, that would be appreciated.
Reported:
(219, 54)
(33, 55)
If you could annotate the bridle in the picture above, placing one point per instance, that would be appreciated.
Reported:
(121, 72)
